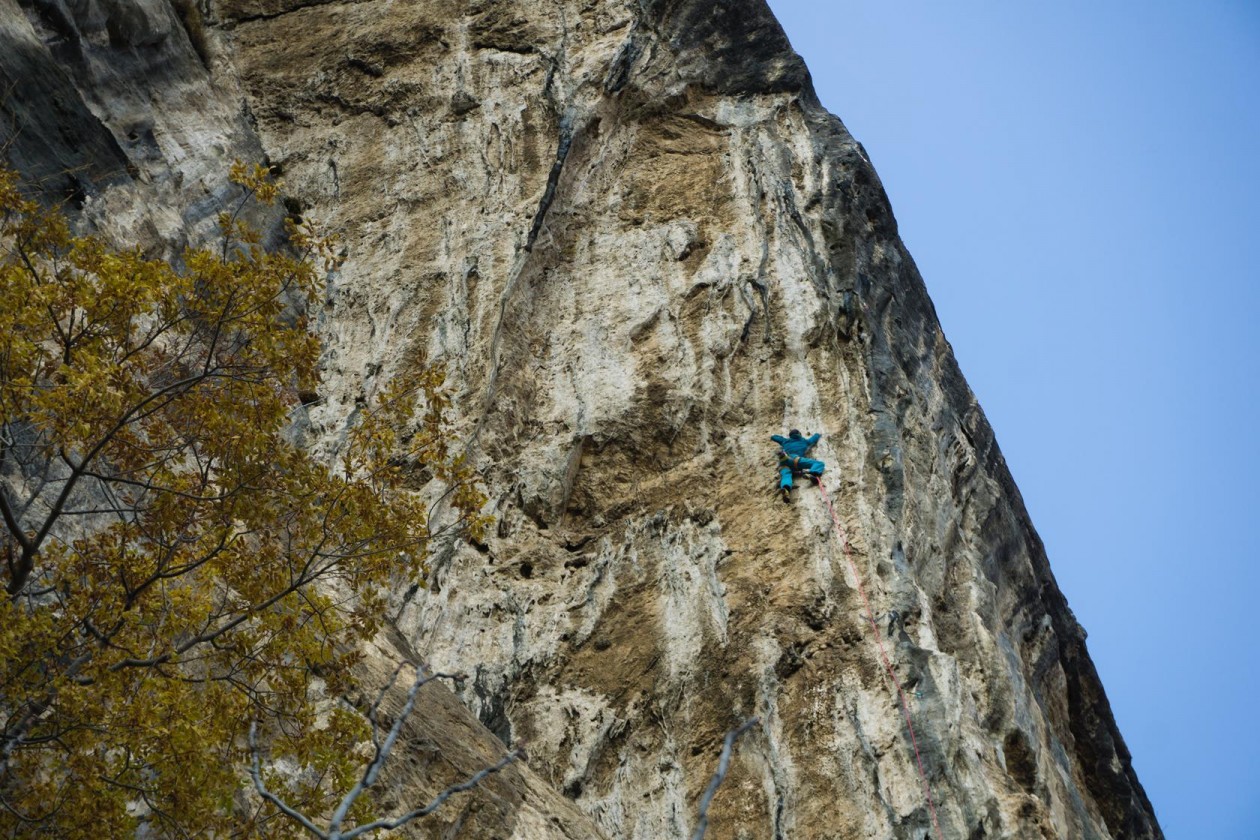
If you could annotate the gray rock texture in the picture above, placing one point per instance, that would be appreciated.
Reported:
(639, 246)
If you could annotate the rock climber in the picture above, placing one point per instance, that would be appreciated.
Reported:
(792, 458)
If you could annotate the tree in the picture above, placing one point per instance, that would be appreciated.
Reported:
(176, 565)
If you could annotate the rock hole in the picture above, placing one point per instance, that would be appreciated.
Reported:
(527, 570)
(1020, 761)
(75, 193)
(790, 661)
(294, 209)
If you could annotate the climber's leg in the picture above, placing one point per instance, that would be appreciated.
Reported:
(785, 478)
(812, 466)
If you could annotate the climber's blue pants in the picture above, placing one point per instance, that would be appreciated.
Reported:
(806, 465)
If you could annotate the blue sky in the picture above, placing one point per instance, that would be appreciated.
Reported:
(1078, 183)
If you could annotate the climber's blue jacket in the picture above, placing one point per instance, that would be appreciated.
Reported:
(795, 447)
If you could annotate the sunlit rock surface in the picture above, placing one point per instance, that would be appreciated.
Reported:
(640, 247)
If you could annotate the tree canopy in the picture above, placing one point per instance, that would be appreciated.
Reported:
(178, 568)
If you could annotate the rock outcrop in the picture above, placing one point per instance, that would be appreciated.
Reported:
(639, 246)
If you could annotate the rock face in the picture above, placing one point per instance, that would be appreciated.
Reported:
(640, 247)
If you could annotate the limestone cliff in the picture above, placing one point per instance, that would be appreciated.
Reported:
(640, 247)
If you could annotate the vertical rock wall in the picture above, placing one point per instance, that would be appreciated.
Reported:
(640, 247)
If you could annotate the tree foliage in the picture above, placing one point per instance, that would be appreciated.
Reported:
(177, 567)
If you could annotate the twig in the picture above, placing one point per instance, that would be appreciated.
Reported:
(383, 749)
(724, 763)
(468, 784)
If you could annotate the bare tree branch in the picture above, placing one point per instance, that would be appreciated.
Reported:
(376, 704)
(370, 773)
(724, 763)
(383, 751)
(468, 784)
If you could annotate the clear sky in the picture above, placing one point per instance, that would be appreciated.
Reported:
(1077, 181)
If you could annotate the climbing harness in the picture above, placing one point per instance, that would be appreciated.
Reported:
(879, 643)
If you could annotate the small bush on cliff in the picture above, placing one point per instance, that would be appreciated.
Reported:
(176, 567)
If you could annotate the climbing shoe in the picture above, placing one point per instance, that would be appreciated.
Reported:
(786, 493)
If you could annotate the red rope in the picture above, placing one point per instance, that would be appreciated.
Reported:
(879, 642)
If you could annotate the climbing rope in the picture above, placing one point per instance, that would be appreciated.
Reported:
(879, 643)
